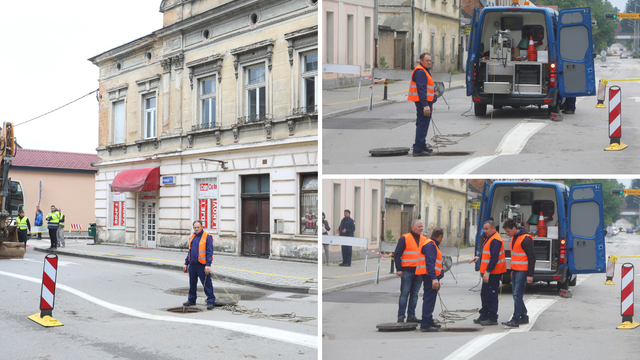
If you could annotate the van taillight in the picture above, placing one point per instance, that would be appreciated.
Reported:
(475, 71)
(552, 79)
(563, 251)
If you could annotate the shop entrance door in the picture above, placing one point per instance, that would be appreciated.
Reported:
(147, 221)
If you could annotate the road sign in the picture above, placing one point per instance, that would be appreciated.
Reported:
(474, 205)
(628, 15)
(631, 191)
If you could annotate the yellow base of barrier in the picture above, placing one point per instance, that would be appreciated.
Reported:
(628, 325)
(601, 106)
(47, 321)
(609, 282)
(616, 147)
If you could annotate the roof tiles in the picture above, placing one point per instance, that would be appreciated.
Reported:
(54, 159)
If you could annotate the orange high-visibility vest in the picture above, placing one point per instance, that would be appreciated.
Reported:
(501, 266)
(519, 260)
(421, 268)
(202, 247)
(413, 88)
(411, 253)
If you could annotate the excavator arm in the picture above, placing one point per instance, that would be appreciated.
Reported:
(9, 245)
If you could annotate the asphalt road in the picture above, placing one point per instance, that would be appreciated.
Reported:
(581, 327)
(506, 141)
(114, 310)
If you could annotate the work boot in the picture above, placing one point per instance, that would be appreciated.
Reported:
(423, 153)
(524, 320)
(413, 319)
(477, 321)
(210, 306)
(430, 329)
(488, 322)
(188, 303)
(400, 319)
(511, 324)
(569, 111)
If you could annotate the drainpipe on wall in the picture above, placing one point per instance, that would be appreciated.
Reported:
(420, 199)
(375, 35)
(413, 16)
(384, 208)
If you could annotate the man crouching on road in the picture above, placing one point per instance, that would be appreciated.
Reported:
(523, 264)
(492, 265)
(430, 268)
(198, 263)
(406, 258)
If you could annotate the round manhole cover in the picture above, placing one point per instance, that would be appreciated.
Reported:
(393, 151)
(397, 326)
(184, 309)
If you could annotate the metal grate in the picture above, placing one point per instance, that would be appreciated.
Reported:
(306, 110)
(253, 118)
(203, 126)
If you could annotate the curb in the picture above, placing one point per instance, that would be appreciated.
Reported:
(357, 283)
(230, 278)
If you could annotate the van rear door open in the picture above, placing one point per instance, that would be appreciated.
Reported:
(483, 215)
(585, 236)
(474, 38)
(575, 55)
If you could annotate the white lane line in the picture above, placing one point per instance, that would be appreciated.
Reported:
(261, 331)
(512, 144)
(535, 307)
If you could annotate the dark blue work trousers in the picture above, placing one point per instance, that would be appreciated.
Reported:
(428, 303)
(409, 289)
(196, 271)
(489, 297)
(422, 127)
(346, 254)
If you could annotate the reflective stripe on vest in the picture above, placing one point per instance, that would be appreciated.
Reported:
(202, 247)
(411, 252)
(61, 217)
(501, 266)
(413, 87)
(421, 268)
(54, 218)
(519, 260)
(22, 224)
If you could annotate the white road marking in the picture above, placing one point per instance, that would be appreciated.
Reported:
(261, 331)
(512, 144)
(60, 263)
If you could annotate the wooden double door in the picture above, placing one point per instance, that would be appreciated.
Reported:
(256, 227)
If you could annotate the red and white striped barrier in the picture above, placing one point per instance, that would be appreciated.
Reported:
(48, 291)
(615, 119)
(626, 300)
(379, 254)
(611, 267)
(75, 227)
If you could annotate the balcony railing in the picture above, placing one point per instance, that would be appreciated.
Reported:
(203, 126)
(253, 118)
(306, 110)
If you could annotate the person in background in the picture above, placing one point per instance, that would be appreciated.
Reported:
(24, 228)
(38, 220)
(53, 221)
(61, 228)
(325, 231)
(347, 228)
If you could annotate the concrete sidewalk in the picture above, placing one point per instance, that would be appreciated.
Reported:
(337, 102)
(335, 278)
(267, 274)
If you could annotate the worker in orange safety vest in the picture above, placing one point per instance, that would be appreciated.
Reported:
(430, 268)
(406, 258)
(422, 92)
(198, 264)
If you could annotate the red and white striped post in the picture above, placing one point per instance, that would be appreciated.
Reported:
(626, 300)
(47, 292)
(615, 119)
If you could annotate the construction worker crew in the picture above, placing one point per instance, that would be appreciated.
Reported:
(52, 225)
(492, 265)
(430, 268)
(406, 257)
(24, 228)
(347, 228)
(198, 264)
(422, 91)
(523, 263)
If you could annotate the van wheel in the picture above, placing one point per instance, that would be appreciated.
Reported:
(573, 281)
(506, 279)
(480, 109)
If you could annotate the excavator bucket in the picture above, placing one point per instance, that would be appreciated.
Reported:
(10, 248)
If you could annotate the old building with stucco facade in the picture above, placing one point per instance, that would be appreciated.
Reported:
(213, 117)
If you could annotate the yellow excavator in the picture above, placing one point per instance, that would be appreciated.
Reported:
(10, 248)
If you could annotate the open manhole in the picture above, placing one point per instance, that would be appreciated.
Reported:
(449, 153)
(233, 294)
(461, 329)
(184, 309)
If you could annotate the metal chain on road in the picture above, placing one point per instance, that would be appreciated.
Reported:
(449, 316)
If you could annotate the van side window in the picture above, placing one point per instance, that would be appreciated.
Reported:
(535, 31)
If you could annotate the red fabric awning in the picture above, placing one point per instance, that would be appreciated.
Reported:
(147, 179)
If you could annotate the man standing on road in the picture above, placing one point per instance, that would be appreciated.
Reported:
(38, 221)
(523, 263)
(60, 233)
(430, 268)
(24, 228)
(422, 90)
(492, 265)
(347, 228)
(406, 257)
(52, 225)
(198, 264)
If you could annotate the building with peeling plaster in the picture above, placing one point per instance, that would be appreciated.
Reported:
(213, 117)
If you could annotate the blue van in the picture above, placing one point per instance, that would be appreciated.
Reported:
(500, 72)
(575, 239)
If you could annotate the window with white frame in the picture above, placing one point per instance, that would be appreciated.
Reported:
(309, 82)
(256, 97)
(206, 196)
(150, 117)
(309, 204)
(117, 210)
(118, 122)
(207, 95)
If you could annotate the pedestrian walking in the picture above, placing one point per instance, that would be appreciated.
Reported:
(422, 91)
(52, 225)
(198, 265)
(38, 221)
(325, 231)
(24, 228)
(406, 257)
(60, 233)
(430, 268)
(347, 228)
(492, 265)
(523, 263)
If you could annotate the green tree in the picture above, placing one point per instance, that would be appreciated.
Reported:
(611, 202)
(604, 31)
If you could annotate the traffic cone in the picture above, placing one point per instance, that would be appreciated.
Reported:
(532, 52)
(542, 227)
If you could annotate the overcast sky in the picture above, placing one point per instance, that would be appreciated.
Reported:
(44, 65)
